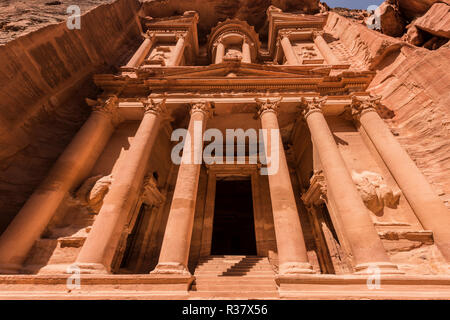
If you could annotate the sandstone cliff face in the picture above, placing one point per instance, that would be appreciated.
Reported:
(19, 17)
(415, 85)
(44, 78)
(213, 11)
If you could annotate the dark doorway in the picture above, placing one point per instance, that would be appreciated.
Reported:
(233, 227)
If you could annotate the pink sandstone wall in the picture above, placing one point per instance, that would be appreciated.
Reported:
(45, 76)
(414, 83)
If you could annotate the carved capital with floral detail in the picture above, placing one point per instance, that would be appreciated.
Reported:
(362, 105)
(316, 34)
(309, 107)
(180, 35)
(108, 107)
(202, 106)
(267, 105)
(157, 108)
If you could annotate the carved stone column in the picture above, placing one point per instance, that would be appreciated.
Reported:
(177, 54)
(174, 254)
(362, 236)
(246, 53)
(323, 47)
(142, 52)
(289, 52)
(70, 169)
(98, 251)
(220, 51)
(292, 253)
(429, 209)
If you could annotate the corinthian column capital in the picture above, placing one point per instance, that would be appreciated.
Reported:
(309, 107)
(267, 105)
(109, 108)
(202, 106)
(362, 105)
(316, 34)
(180, 35)
(157, 108)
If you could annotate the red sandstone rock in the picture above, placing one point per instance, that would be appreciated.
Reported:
(415, 8)
(436, 21)
(414, 36)
(392, 23)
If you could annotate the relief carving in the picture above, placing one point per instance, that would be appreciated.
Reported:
(375, 193)
(151, 195)
(93, 191)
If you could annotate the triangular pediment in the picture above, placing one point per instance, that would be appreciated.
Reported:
(238, 70)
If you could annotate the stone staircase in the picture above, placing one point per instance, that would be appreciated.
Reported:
(234, 277)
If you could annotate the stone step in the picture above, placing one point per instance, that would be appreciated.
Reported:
(224, 267)
(237, 287)
(225, 273)
(241, 295)
(227, 279)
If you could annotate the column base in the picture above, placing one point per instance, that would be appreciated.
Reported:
(90, 268)
(377, 267)
(293, 268)
(171, 268)
(10, 268)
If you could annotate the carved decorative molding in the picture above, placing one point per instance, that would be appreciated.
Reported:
(202, 106)
(157, 108)
(309, 107)
(317, 192)
(362, 105)
(267, 105)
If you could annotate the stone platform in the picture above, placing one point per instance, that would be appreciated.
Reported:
(151, 287)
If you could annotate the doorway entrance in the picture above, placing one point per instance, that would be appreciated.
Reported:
(233, 224)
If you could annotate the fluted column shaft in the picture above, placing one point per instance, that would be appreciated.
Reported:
(98, 251)
(174, 254)
(177, 54)
(70, 169)
(362, 236)
(323, 47)
(141, 53)
(429, 209)
(220, 52)
(289, 52)
(292, 255)
(246, 53)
